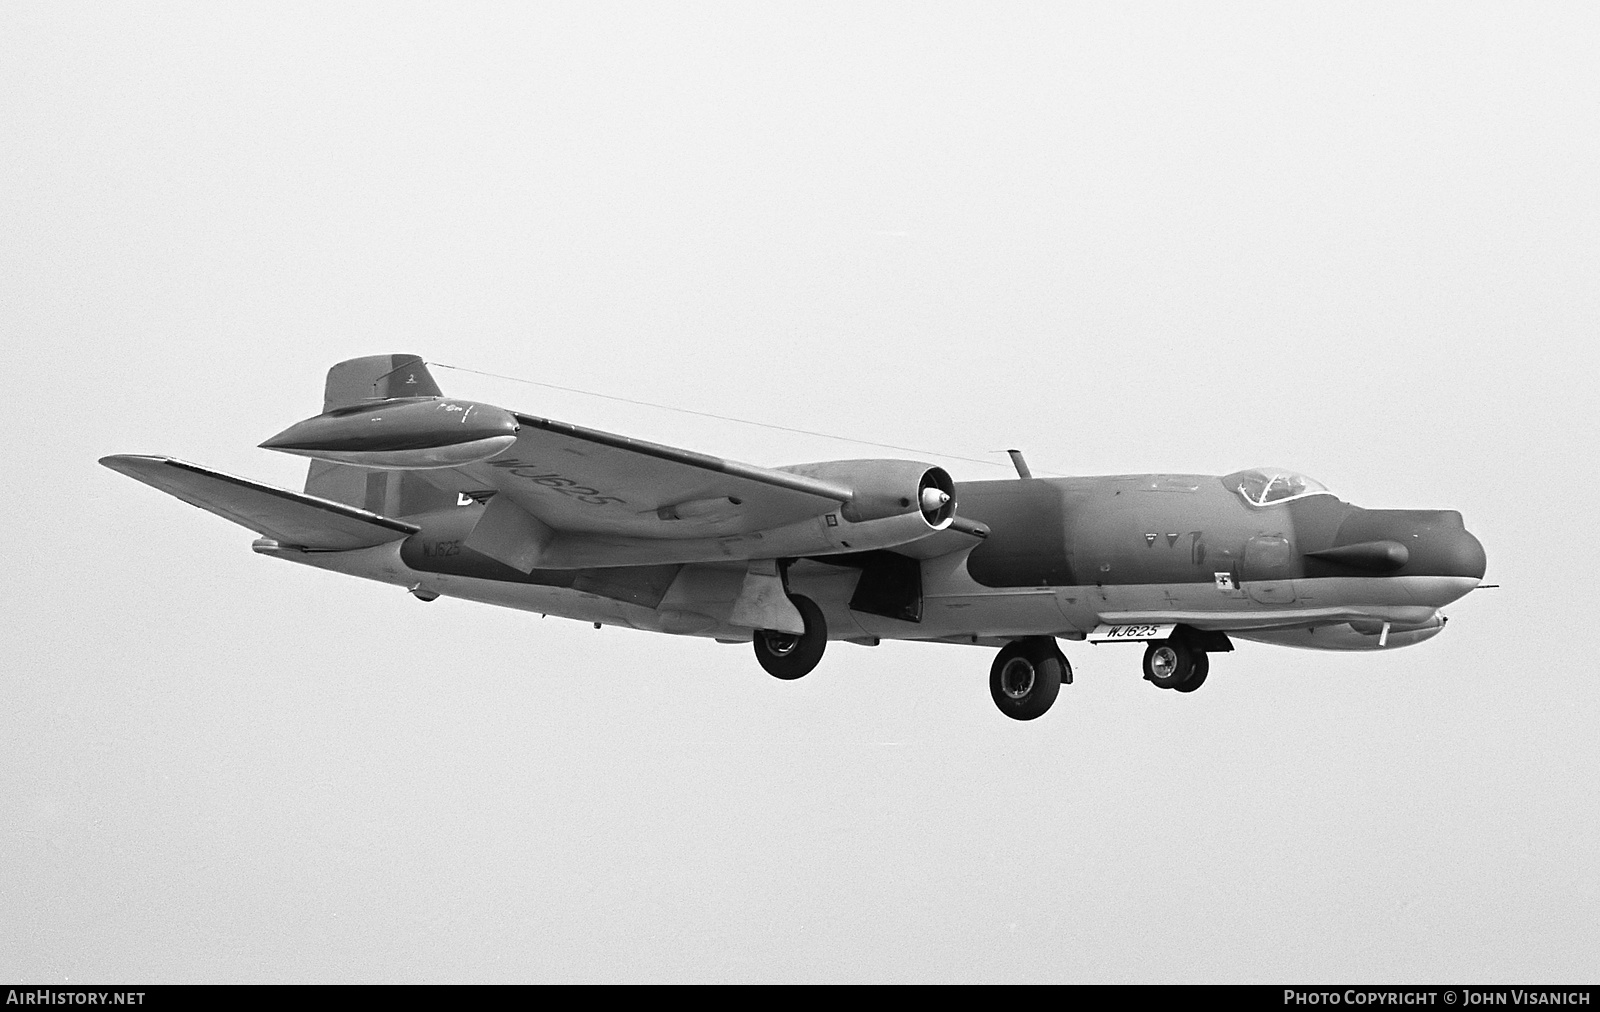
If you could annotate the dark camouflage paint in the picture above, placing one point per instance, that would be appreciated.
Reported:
(1149, 529)
(377, 377)
(419, 424)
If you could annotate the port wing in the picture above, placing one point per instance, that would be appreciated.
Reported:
(292, 518)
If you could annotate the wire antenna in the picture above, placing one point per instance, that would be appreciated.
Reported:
(720, 418)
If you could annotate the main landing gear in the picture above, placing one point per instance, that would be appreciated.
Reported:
(787, 656)
(1174, 664)
(1026, 676)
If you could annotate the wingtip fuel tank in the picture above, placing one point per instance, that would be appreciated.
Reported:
(409, 433)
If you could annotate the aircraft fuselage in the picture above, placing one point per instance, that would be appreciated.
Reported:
(458, 498)
(1064, 555)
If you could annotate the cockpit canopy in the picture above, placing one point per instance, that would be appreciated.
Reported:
(1264, 486)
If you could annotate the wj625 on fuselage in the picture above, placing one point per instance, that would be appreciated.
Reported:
(457, 498)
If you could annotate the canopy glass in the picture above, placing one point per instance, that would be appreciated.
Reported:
(1265, 486)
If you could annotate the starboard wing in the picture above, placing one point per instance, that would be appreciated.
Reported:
(562, 496)
(584, 481)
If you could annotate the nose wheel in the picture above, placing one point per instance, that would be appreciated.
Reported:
(1172, 664)
(1026, 676)
(1202, 667)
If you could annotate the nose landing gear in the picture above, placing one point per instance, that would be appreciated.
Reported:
(1197, 678)
(1173, 664)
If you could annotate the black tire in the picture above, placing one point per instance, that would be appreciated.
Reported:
(787, 656)
(1026, 677)
(1197, 677)
(1168, 663)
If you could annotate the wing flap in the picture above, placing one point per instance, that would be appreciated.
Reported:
(290, 517)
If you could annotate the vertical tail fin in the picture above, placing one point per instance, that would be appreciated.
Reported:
(387, 492)
(376, 378)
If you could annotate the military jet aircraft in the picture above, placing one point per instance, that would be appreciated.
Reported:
(458, 498)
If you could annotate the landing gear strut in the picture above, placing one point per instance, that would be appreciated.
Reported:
(787, 656)
(1026, 676)
(1173, 664)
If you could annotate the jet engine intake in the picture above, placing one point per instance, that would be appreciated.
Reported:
(889, 488)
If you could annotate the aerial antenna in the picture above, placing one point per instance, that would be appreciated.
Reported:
(412, 364)
(720, 418)
(1022, 465)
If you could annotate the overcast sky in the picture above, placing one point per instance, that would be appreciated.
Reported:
(1361, 240)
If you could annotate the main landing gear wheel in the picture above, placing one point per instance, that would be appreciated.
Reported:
(1026, 676)
(1171, 664)
(787, 656)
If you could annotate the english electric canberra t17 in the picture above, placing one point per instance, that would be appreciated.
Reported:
(463, 499)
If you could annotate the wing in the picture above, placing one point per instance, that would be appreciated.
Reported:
(561, 496)
(290, 517)
(584, 481)
(565, 496)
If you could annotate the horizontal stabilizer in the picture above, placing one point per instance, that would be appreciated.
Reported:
(289, 517)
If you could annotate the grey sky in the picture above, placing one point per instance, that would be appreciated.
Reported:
(1359, 240)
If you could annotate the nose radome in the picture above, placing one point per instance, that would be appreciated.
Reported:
(1437, 541)
(1447, 548)
(1463, 555)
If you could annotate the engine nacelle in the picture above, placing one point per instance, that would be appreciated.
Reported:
(888, 488)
